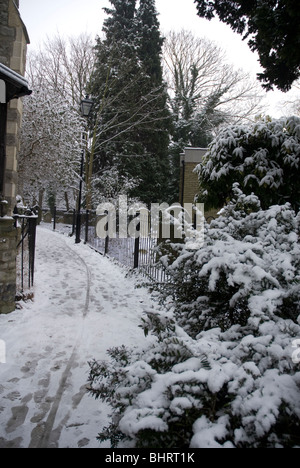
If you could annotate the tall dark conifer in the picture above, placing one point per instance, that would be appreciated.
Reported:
(113, 88)
(150, 41)
(132, 125)
(155, 138)
(119, 24)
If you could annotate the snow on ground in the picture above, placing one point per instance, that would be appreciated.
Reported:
(84, 304)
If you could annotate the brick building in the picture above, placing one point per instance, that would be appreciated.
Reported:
(13, 47)
(189, 182)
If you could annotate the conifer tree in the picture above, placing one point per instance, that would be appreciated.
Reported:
(155, 139)
(131, 100)
(111, 83)
(150, 40)
(119, 24)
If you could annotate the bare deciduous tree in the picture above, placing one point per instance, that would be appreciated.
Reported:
(291, 105)
(51, 145)
(197, 73)
(52, 127)
(64, 65)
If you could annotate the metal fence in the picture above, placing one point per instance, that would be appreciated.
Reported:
(138, 253)
(25, 259)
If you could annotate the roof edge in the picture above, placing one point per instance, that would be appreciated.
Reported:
(13, 78)
(23, 24)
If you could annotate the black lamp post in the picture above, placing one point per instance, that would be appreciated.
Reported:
(85, 107)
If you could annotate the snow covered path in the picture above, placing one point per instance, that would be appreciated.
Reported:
(83, 306)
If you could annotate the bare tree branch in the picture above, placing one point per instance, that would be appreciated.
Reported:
(196, 69)
(63, 65)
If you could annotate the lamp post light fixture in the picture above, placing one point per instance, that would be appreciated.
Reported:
(85, 108)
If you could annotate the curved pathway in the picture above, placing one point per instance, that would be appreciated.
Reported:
(83, 305)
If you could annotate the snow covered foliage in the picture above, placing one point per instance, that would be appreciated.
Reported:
(111, 185)
(250, 262)
(263, 157)
(218, 370)
(51, 144)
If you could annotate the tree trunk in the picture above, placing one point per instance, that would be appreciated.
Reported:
(67, 201)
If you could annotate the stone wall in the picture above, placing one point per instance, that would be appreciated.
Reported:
(8, 239)
(13, 47)
(7, 34)
(191, 183)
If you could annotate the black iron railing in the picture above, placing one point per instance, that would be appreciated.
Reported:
(25, 251)
(140, 253)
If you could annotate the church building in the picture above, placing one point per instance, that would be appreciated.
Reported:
(13, 48)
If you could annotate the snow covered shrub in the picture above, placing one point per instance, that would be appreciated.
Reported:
(218, 370)
(238, 388)
(129, 373)
(263, 158)
(250, 262)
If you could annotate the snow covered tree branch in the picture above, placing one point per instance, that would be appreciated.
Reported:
(63, 65)
(51, 145)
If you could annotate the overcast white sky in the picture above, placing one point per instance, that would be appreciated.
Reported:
(69, 17)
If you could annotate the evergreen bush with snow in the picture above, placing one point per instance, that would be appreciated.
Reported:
(219, 369)
(263, 158)
(250, 260)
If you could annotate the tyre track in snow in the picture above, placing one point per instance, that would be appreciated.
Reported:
(43, 439)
